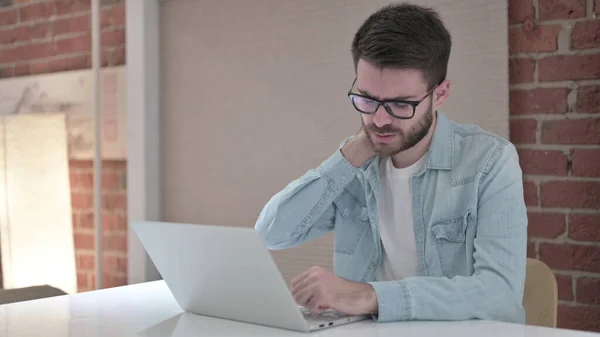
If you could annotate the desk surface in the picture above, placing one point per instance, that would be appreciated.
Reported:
(149, 310)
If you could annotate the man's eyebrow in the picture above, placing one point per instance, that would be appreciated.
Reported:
(397, 98)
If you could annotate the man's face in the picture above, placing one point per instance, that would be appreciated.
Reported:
(390, 135)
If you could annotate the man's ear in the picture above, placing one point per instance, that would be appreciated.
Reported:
(440, 94)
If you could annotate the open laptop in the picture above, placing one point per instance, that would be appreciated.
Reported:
(227, 272)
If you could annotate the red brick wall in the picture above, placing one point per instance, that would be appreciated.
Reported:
(555, 123)
(44, 36)
(114, 222)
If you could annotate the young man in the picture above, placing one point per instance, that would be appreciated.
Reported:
(429, 216)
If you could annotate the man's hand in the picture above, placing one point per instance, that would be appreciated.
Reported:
(318, 290)
(358, 149)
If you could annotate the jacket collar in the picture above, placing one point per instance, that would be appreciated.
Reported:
(441, 150)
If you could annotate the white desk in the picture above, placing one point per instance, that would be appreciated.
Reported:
(150, 310)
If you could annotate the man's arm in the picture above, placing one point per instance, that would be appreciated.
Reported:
(495, 290)
(304, 209)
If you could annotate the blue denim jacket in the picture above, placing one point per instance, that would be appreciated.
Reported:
(470, 224)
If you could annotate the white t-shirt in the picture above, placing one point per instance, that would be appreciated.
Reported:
(396, 229)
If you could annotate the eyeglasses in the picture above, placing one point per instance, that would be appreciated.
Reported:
(400, 109)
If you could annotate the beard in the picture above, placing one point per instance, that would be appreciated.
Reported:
(405, 140)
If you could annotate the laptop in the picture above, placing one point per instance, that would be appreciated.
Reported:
(227, 272)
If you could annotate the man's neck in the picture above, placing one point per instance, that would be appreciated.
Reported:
(408, 157)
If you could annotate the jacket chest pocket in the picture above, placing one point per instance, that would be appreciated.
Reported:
(450, 241)
(351, 224)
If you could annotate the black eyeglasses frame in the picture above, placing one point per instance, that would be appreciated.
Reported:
(385, 103)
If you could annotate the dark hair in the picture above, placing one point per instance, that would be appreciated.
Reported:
(405, 36)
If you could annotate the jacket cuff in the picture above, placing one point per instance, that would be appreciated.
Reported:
(393, 301)
(337, 170)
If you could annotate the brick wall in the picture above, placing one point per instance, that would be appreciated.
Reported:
(114, 222)
(44, 36)
(555, 123)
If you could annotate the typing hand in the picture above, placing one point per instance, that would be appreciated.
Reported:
(318, 290)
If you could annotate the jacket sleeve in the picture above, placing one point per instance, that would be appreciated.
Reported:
(495, 290)
(304, 209)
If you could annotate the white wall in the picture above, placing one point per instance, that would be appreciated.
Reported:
(143, 130)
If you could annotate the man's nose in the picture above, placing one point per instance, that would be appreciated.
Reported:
(382, 117)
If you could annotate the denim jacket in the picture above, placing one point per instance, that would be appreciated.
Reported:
(470, 225)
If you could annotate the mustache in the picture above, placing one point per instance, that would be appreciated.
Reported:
(384, 130)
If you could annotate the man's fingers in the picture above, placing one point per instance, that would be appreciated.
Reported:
(311, 297)
(301, 288)
(307, 292)
(303, 279)
(316, 303)
(299, 278)
(303, 296)
(303, 283)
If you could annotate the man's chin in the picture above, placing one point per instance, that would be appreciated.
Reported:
(385, 150)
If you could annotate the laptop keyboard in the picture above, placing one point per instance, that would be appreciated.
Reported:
(329, 315)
